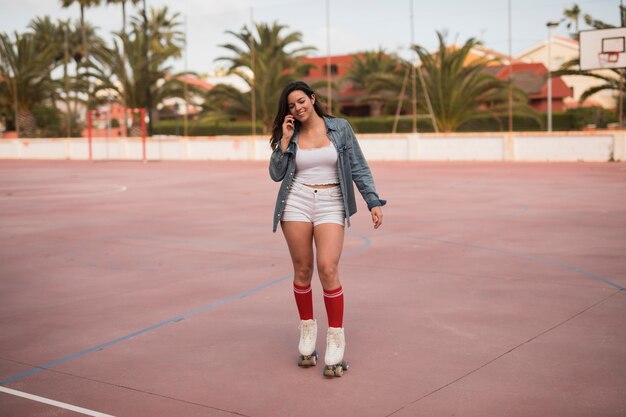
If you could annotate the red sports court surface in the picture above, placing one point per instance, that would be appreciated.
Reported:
(492, 289)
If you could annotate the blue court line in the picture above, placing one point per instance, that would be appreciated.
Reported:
(360, 248)
(166, 322)
(147, 329)
(530, 257)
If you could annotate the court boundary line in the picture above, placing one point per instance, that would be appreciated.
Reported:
(138, 390)
(175, 319)
(116, 189)
(54, 403)
(545, 261)
(489, 362)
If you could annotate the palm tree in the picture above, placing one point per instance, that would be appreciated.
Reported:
(599, 24)
(380, 75)
(163, 41)
(124, 36)
(66, 40)
(48, 34)
(461, 91)
(573, 15)
(138, 76)
(165, 35)
(276, 63)
(83, 5)
(24, 79)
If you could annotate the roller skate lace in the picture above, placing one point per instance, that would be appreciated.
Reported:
(308, 336)
(335, 346)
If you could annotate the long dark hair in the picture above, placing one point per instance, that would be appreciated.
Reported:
(283, 109)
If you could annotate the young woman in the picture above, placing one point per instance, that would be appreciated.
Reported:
(316, 156)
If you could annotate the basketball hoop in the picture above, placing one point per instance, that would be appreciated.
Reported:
(607, 58)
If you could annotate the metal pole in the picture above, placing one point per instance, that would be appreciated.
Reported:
(143, 133)
(621, 99)
(17, 110)
(400, 100)
(413, 69)
(89, 132)
(86, 52)
(124, 88)
(185, 84)
(621, 74)
(549, 77)
(328, 65)
(146, 56)
(68, 115)
(510, 72)
(253, 69)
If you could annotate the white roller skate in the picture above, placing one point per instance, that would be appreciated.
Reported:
(308, 337)
(335, 348)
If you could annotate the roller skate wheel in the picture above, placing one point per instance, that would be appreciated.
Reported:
(309, 360)
(334, 370)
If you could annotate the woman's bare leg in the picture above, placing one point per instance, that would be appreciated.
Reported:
(329, 244)
(299, 237)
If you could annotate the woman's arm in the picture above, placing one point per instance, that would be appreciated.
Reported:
(278, 163)
(361, 173)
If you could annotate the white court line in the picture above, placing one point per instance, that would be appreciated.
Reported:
(67, 192)
(54, 403)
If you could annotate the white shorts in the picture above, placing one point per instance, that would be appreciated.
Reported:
(314, 205)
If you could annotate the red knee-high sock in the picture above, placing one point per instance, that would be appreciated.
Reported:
(304, 301)
(333, 300)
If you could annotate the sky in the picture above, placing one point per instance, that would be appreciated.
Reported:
(355, 25)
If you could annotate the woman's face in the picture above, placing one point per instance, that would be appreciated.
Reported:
(300, 105)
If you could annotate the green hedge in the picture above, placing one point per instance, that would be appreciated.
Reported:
(574, 119)
(199, 128)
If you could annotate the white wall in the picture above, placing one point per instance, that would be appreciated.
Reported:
(579, 146)
(586, 148)
(459, 148)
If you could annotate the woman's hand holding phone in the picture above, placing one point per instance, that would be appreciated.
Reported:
(288, 129)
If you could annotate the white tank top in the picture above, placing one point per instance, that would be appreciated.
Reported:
(317, 166)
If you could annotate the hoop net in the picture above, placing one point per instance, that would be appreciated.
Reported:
(606, 58)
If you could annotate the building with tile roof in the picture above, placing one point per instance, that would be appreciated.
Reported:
(346, 95)
(562, 50)
(532, 79)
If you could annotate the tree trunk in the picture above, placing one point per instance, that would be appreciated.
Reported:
(376, 108)
(27, 123)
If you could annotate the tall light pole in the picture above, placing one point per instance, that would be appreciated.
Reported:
(146, 69)
(413, 71)
(186, 116)
(253, 69)
(550, 25)
(510, 69)
(328, 64)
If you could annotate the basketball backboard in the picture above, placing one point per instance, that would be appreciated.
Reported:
(603, 48)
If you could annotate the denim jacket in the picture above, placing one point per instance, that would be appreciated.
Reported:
(352, 166)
